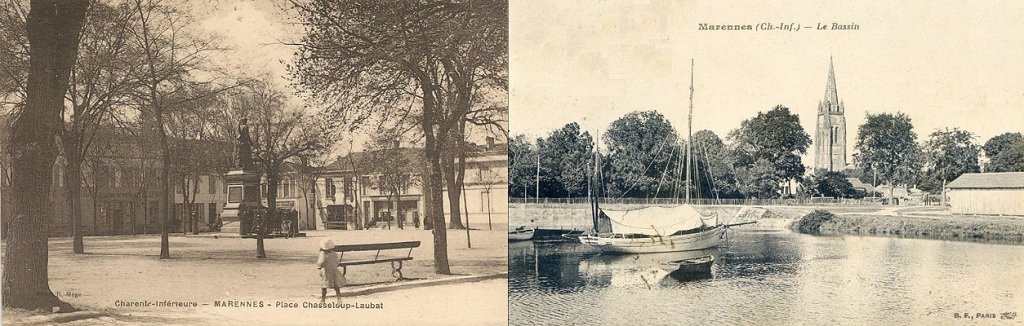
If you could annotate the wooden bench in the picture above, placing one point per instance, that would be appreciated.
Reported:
(396, 261)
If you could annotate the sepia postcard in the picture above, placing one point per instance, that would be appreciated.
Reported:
(660, 162)
(268, 162)
(766, 163)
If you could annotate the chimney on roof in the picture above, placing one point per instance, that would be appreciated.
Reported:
(490, 142)
(397, 144)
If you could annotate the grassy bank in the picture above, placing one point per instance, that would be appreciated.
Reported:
(962, 228)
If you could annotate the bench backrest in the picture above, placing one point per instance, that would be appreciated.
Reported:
(376, 246)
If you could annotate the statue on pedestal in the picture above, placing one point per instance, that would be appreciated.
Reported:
(243, 147)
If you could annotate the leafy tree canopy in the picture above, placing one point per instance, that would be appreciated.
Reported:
(771, 139)
(714, 172)
(522, 161)
(771, 136)
(641, 146)
(565, 155)
(761, 179)
(1005, 153)
(832, 184)
(948, 153)
(1000, 143)
(887, 144)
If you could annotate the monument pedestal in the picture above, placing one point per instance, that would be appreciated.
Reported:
(230, 228)
(243, 191)
(243, 187)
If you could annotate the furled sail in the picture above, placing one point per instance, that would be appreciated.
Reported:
(654, 221)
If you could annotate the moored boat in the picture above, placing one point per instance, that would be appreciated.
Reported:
(555, 234)
(692, 265)
(657, 229)
(520, 234)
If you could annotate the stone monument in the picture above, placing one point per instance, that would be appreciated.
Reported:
(243, 183)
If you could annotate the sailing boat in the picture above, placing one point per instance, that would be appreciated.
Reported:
(659, 229)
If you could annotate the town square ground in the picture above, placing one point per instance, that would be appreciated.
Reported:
(219, 280)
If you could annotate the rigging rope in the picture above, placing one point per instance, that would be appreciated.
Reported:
(657, 153)
(711, 175)
(665, 172)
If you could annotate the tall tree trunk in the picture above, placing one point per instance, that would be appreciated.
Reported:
(428, 203)
(455, 174)
(53, 28)
(73, 191)
(189, 199)
(439, 230)
(195, 219)
(145, 213)
(143, 183)
(305, 201)
(95, 213)
(435, 179)
(455, 152)
(435, 213)
(454, 187)
(394, 209)
(261, 251)
(192, 207)
(186, 208)
(193, 210)
(165, 181)
(454, 195)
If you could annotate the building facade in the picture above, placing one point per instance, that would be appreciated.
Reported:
(353, 194)
(119, 190)
(120, 194)
(485, 195)
(206, 199)
(987, 194)
(830, 134)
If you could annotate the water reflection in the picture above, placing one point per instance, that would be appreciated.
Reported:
(565, 266)
(766, 278)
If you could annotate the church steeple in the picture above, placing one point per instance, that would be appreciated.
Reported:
(831, 96)
(830, 137)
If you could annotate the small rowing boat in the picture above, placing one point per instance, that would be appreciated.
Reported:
(692, 265)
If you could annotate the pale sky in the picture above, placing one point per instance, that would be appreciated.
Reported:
(945, 64)
(256, 31)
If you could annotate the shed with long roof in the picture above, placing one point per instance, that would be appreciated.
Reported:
(987, 194)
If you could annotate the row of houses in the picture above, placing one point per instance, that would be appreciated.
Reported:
(352, 197)
(350, 194)
(120, 194)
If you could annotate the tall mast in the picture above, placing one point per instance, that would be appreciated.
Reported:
(536, 194)
(689, 137)
(591, 193)
(599, 182)
(591, 173)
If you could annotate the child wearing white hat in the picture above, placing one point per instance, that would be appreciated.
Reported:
(327, 263)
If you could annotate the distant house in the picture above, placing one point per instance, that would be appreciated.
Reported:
(349, 191)
(987, 194)
(860, 185)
